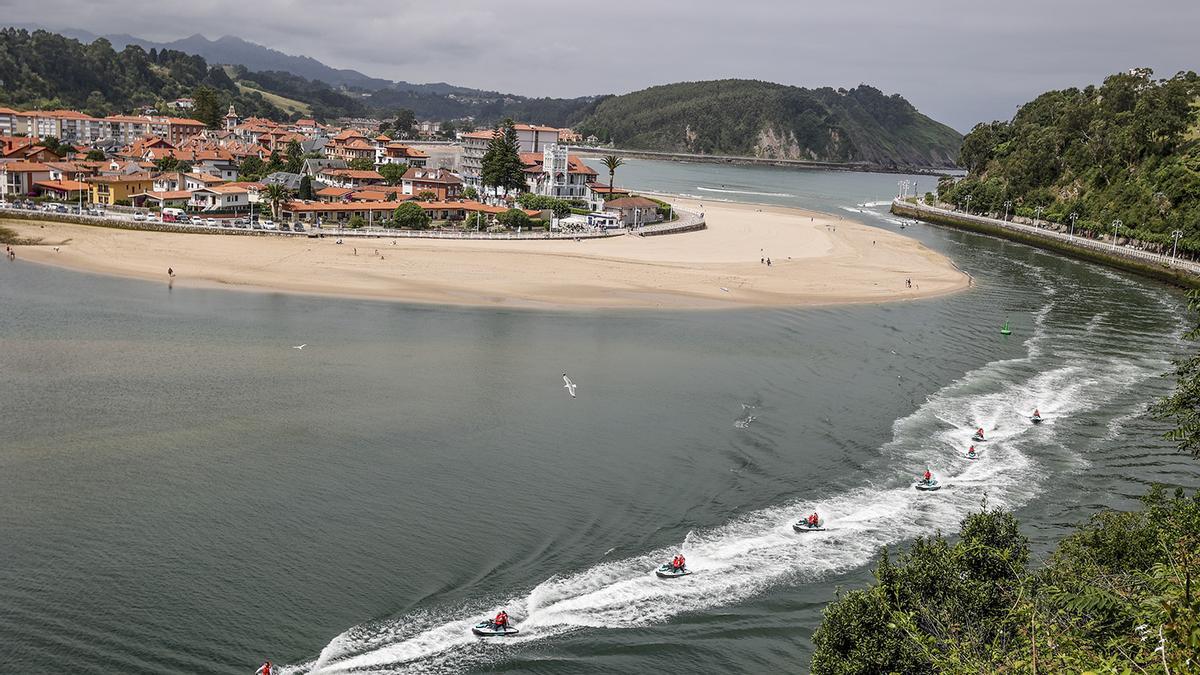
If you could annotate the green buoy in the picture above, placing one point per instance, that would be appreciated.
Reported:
(1005, 330)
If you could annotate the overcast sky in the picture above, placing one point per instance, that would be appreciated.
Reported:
(958, 61)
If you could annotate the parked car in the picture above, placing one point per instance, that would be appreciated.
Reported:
(212, 222)
(139, 216)
(239, 224)
(285, 227)
(299, 227)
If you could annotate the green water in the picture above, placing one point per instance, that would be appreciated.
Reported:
(181, 491)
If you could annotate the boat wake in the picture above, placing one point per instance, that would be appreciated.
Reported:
(759, 550)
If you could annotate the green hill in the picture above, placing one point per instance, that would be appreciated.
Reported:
(762, 119)
(1127, 150)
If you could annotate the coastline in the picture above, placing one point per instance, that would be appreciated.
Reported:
(818, 259)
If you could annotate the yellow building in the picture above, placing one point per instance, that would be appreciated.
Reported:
(109, 190)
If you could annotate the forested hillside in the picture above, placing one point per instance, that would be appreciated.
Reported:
(1128, 151)
(46, 70)
(762, 119)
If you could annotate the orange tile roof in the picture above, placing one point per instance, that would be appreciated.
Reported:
(24, 166)
(68, 185)
(353, 173)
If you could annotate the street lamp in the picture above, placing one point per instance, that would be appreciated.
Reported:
(1116, 224)
(968, 205)
(1037, 213)
(1175, 246)
(1007, 204)
(79, 179)
(1074, 216)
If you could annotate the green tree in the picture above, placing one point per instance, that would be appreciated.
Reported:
(612, 163)
(251, 168)
(427, 196)
(447, 129)
(356, 221)
(274, 163)
(393, 173)
(295, 157)
(276, 196)
(471, 193)
(361, 164)
(306, 189)
(501, 165)
(95, 155)
(405, 121)
(514, 218)
(170, 163)
(410, 217)
(1182, 407)
(206, 107)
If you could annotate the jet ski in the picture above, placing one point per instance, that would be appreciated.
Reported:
(489, 629)
(977, 437)
(666, 571)
(972, 455)
(1036, 419)
(803, 526)
(928, 486)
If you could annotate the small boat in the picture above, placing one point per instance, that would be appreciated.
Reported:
(803, 526)
(928, 485)
(1005, 329)
(489, 629)
(666, 571)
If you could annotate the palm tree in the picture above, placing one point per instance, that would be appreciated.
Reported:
(611, 162)
(276, 195)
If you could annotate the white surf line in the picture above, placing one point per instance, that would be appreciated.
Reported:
(757, 551)
(744, 192)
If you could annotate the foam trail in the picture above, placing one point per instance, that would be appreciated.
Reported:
(752, 553)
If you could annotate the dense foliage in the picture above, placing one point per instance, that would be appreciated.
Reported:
(749, 117)
(1125, 151)
(410, 216)
(324, 101)
(1182, 407)
(560, 207)
(45, 70)
(501, 166)
(1117, 596)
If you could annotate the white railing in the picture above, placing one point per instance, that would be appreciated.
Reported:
(1109, 247)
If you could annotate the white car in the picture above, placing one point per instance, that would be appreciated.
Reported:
(139, 216)
(268, 224)
(211, 222)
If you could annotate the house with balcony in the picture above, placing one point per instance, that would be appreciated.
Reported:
(18, 178)
(394, 152)
(221, 198)
(441, 182)
(109, 190)
(555, 173)
(349, 178)
(530, 139)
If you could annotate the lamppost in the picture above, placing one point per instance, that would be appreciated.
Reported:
(1175, 246)
(79, 179)
(968, 205)
(1116, 225)
(1007, 204)
(1074, 216)
(1037, 213)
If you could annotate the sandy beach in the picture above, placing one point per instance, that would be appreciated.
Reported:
(817, 259)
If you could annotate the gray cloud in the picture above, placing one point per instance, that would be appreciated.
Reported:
(960, 62)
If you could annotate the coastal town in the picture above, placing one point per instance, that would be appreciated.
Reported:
(258, 174)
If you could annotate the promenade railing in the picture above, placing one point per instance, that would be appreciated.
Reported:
(1109, 246)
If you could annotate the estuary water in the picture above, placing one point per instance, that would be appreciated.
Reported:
(182, 491)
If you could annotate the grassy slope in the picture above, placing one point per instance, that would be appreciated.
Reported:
(288, 105)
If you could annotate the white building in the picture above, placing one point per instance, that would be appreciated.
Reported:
(530, 138)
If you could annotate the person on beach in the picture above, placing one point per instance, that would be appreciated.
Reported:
(768, 262)
(170, 272)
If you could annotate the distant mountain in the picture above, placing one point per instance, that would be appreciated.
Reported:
(763, 119)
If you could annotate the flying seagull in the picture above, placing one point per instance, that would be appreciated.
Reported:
(569, 386)
(300, 346)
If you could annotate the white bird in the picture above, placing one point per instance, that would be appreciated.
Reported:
(300, 346)
(725, 289)
(569, 386)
